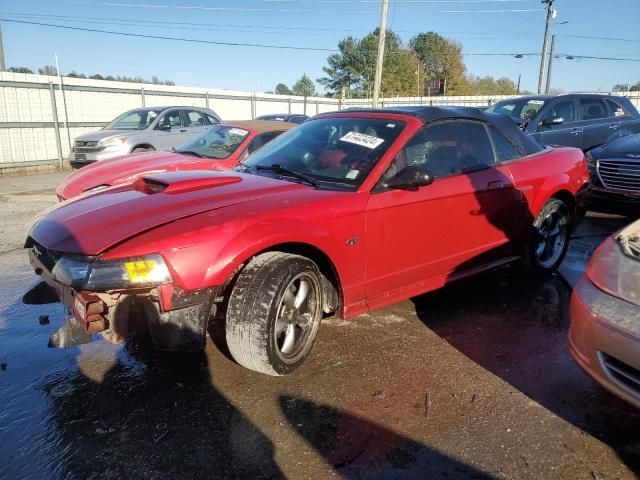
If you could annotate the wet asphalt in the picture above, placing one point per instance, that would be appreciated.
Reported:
(471, 381)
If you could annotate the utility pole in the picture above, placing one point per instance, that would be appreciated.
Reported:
(380, 59)
(552, 54)
(550, 14)
(2, 67)
(519, 77)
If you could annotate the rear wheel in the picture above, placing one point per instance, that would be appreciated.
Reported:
(274, 313)
(549, 239)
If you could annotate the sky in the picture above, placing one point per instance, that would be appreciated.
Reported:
(314, 28)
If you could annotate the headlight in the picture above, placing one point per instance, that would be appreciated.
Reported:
(99, 275)
(614, 272)
(113, 141)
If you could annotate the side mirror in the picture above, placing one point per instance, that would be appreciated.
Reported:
(164, 128)
(411, 178)
(549, 122)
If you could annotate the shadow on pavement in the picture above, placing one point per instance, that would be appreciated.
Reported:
(516, 328)
(139, 414)
(358, 448)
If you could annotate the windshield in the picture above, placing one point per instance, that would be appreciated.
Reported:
(522, 109)
(336, 150)
(216, 142)
(134, 120)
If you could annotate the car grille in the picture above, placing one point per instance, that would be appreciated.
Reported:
(623, 373)
(620, 175)
(87, 147)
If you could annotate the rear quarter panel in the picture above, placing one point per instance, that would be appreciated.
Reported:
(541, 176)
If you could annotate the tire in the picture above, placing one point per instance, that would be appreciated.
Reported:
(265, 330)
(548, 241)
(143, 149)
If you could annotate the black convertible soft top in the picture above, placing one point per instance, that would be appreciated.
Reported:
(430, 114)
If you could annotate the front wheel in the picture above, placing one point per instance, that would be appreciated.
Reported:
(549, 239)
(274, 313)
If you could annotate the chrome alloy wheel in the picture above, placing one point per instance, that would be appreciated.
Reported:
(298, 318)
(551, 239)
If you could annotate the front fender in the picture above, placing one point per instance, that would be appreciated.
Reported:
(265, 235)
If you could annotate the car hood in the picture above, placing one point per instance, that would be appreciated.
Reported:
(623, 147)
(126, 169)
(91, 224)
(101, 134)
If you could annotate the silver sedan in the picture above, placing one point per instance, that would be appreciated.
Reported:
(140, 130)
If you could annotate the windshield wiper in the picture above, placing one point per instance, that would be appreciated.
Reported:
(188, 152)
(285, 171)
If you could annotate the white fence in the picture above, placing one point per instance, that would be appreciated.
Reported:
(38, 120)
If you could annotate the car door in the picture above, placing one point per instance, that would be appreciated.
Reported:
(167, 133)
(194, 122)
(627, 123)
(569, 132)
(417, 240)
(596, 124)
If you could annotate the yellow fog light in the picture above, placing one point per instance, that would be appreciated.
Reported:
(146, 271)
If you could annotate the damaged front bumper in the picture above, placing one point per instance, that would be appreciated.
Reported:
(177, 320)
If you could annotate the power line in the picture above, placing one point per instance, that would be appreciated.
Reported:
(395, 1)
(138, 22)
(178, 39)
(603, 38)
(298, 10)
(287, 47)
(569, 56)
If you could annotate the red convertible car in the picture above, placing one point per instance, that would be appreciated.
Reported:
(348, 212)
(220, 147)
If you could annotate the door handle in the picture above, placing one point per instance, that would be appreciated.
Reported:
(495, 185)
(614, 127)
(183, 130)
(576, 131)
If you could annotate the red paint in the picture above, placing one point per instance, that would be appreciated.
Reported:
(128, 168)
(409, 242)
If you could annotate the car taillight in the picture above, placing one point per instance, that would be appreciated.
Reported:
(614, 272)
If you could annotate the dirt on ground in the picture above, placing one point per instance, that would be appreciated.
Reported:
(471, 381)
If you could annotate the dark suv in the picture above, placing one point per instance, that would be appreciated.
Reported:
(577, 120)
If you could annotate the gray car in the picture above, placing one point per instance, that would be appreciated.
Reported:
(140, 130)
(577, 120)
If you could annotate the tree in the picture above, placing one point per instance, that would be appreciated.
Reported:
(19, 70)
(282, 89)
(304, 87)
(345, 70)
(442, 59)
(490, 86)
(48, 70)
(352, 70)
(621, 87)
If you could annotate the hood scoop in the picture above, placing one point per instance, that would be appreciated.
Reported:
(177, 182)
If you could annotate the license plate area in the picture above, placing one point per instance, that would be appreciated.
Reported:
(88, 310)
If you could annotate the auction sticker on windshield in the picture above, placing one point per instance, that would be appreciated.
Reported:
(238, 131)
(363, 140)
